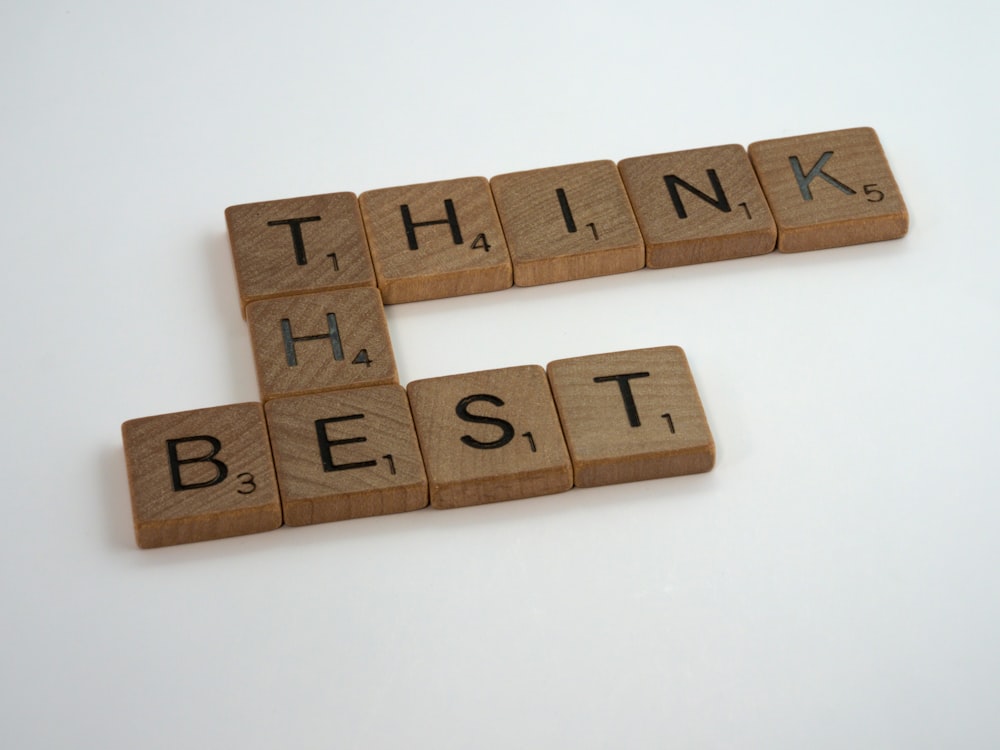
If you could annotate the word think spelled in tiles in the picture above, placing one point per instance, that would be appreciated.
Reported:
(337, 437)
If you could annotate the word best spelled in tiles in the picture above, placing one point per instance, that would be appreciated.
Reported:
(568, 222)
(346, 454)
(631, 415)
(319, 342)
(490, 436)
(830, 189)
(698, 206)
(436, 239)
(311, 244)
(201, 474)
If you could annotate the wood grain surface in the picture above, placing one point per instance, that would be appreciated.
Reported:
(346, 454)
(830, 189)
(631, 415)
(698, 206)
(568, 222)
(436, 239)
(489, 436)
(309, 244)
(201, 474)
(317, 342)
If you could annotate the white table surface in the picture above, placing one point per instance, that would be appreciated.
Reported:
(832, 583)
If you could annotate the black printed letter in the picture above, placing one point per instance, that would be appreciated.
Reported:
(720, 201)
(462, 410)
(325, 444)
(333, 334)
(221, 470)
(411, 226)
(816, 171)
(626, 390)
(296, 226)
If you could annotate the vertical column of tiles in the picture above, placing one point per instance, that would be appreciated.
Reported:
(698, 206)
(201, 474)
(830, 189)
(631, 415)
(311, 244)
(437, 239)
(317, 342)
(346, 454)
(568, 222)
(489, 436)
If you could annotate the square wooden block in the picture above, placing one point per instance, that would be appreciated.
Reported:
(830, 189)
(320, 342)
(346, 454)
(310, 244)
(568, 222)
(201, 474)
(631, 415)
(437, 239)
(490, 436)
(698, 206)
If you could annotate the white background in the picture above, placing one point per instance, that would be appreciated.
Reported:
(832, 583)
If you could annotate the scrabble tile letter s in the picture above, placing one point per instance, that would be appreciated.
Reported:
(201, 474)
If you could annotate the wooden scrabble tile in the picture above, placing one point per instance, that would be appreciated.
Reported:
(829, 189)
(311, 244)
(568, 222)
(319, 342)
(698, 206)
(346, 454)
(489, 436)
(202, 474)
(437, 239)
(631, 415)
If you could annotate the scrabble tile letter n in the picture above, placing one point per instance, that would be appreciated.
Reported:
(829, 189)
(202, 474)
(437, 239)
(631, 415)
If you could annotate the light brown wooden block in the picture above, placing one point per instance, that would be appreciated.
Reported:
(489, 436)
(568, 222)
(346, 454)
(437, 239)
(201, 474)
(310, 244)
(698, 206)
(319, 342)
(631, 415)
(830, 189)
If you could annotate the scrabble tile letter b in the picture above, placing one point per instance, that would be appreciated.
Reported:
(202, 474)
(631, 415)
(829, 189)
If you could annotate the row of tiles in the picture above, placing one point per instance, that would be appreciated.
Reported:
(470, 235)
(449, 442)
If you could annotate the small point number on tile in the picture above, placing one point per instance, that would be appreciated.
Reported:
(480, 243)
(247, 478)
(745, 209)
(531, 441)
(333, 257)
(870, 191)
(670, 423)
(392, 464)
(362, 359)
